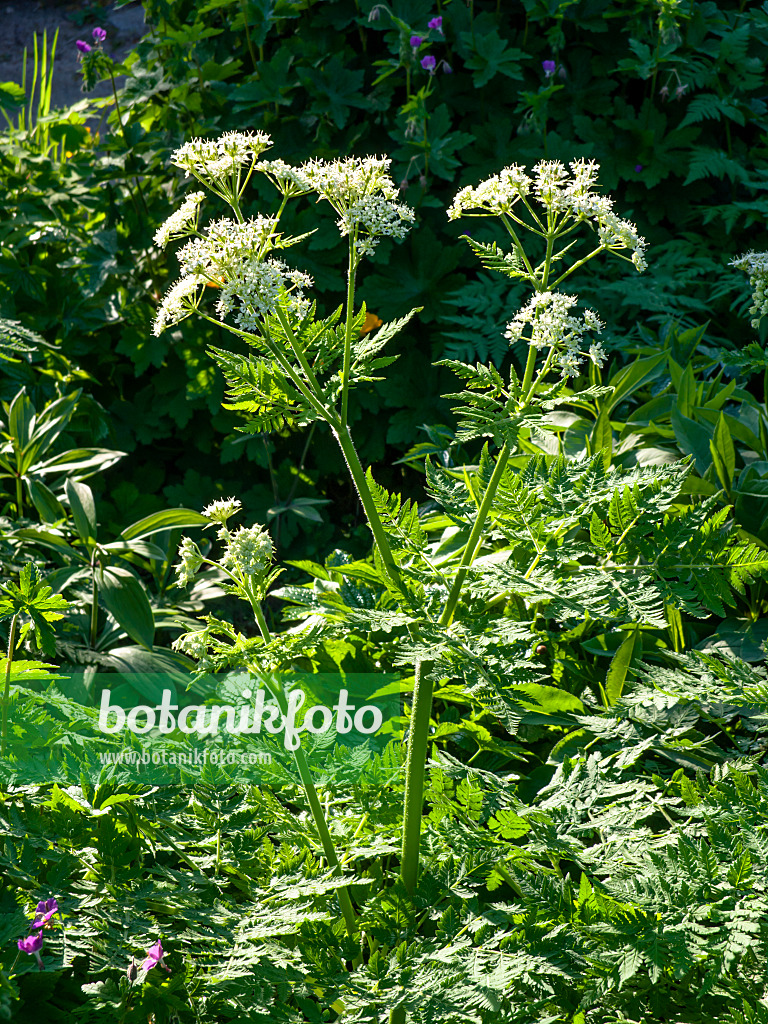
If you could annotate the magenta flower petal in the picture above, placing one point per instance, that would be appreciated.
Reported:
(428, 62)
(416, 41)
(155, 956)
(436, 23)
(44, 912)
(549, 67)
(32, 943)
(99, 34)
(82, 46)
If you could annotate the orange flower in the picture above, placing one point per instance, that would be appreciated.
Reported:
(371, 322)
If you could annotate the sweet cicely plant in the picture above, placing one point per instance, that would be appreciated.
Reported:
(302, 368)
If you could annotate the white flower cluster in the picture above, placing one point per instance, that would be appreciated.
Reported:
(756, 265)
(181, 222)
(291, 181)
(559, 193)
(379, 218)
(222, 509)
(494, 195)
(230, 257)
(553, 326)
(250, 550)
(191, 560)
(212, 160)
(362, 192)
(192, 644)
(178, 303)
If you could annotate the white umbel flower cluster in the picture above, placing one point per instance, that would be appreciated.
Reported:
(222, 509)
(230, 257)
(291, 181)
(181, 222)
(559, 193)
(494, 195)
(249, 550)
(756, 265)
(214, 160)
(190, 561)
(179, 301)
(553, 326)
(363, 194)
(378, 218)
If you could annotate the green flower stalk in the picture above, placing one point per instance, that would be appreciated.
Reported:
(246, 562)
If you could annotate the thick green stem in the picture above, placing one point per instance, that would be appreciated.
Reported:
(472, 545)
(348, 331)
(418, 736)
(7, 687)
(421, 711)
(345, 901)
(361, 484)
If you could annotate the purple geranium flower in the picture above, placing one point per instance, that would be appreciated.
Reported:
(447, 69)
(436, 23)
(32, 945)
(155, 956)
(45, 911)
(549, 67)
(638, 168)
(416, 41)
(99, 34)
(82, 46)
(428, 62)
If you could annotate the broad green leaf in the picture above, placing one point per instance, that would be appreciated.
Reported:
(21, 419)
(633, 376)
(124, 596)
(80, 497)
(45, 501)
(170, 518)
(723, 453)
(81, 462)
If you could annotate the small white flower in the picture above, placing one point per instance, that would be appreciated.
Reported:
(212, 160)
(553, 326)
(178, 303)
(191, 560)
(222, 509)
(289, 180)
(181, 221)
(756, 265)
(494, 195)
(250, 550)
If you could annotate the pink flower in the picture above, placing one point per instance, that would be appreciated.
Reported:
(437, 24)
(416, 41)
(428, 62)
(99, 35)
(32, 945)
(155, 956)
(45, 911)
(82, 46)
